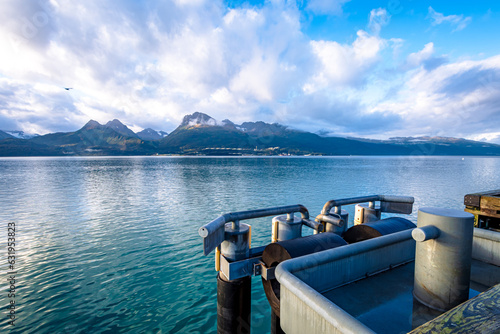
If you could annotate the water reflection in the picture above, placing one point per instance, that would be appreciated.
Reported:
(111, 244)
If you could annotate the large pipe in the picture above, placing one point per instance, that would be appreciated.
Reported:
(377, 228)
(443, 257)
(278, 252)
(233, 305)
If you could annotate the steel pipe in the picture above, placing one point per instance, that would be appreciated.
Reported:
(425, 233)
(376, 229)
(213, 232)
(372, 198)
(333, 219)
(215, 224)
(234, 305)
(317, 227)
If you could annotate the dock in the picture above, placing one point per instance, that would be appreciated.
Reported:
(480, 314)
(381, 275)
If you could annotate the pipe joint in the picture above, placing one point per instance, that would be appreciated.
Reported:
(332, 218)
(316, 226)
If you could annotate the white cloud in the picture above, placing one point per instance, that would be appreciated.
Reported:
(37, 108)
(189, 2)
(425, 58)
(417, 58)
(458, 21)
(343, 64)
(457, 99)
(492, 137)
(149, 65)
(378, 18)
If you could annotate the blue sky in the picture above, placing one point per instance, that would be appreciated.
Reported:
(375, 69)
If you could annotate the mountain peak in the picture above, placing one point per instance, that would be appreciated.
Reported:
(198, 119)
(263, 128)
(20, 134)
(4, 135)
(120, 128)
(114, 122)
(228, 124)
(150, 134)
(91, 125)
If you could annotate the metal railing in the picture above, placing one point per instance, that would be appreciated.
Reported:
(388, 203)
(213, 232)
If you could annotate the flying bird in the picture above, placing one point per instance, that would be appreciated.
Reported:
(68, 88)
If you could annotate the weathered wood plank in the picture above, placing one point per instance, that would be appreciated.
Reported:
(477, 315)
(490, 202)
(472, 200)
(475, 199)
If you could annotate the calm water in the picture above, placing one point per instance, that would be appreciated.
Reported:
(110, 245)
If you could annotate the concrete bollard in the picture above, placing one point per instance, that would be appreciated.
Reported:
(443, 257)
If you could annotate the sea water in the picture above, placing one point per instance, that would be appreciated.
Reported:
(110, 244)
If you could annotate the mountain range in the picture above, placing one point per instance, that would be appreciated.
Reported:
(200, 134)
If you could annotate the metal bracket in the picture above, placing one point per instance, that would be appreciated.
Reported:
(268, 273)
(238, 269)
(396, 207)
(248, 267)
(257, 269)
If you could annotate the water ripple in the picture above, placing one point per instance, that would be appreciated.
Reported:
(110, 245)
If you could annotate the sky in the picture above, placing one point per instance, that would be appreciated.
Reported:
(373, 69)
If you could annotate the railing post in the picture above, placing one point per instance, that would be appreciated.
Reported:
(234, 296)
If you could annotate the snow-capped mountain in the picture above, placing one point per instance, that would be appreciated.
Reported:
(4, 135)
(201, 134)
(203, 120)
(20, 134)
(150, 134)
(197, 119)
